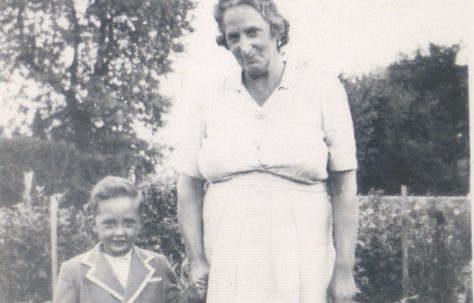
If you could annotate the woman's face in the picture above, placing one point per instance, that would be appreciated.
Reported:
(250, 40)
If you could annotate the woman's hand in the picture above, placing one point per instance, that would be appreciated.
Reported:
(199, 276)
(198, 270)
(342, 288)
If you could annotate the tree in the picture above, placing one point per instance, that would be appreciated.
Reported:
(97, 64)
(411, 123)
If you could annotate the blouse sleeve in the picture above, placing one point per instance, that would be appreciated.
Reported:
(338, 128)
(189, 129)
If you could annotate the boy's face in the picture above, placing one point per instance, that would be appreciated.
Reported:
(117, 223)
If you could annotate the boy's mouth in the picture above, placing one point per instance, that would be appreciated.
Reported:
(119, 242)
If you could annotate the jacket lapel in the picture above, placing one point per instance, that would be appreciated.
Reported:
(101, 274)
(140, 273)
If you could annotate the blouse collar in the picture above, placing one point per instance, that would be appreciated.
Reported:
(289, 80)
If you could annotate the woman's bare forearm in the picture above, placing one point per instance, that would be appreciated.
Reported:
(190, 202)
(343, 191)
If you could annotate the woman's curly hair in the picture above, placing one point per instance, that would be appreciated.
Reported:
(278, 24)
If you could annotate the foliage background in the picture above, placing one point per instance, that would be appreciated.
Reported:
(438, 244)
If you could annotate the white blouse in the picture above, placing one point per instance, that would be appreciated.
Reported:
(302, 130)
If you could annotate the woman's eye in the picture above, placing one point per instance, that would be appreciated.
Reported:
(252, 33)
(232, 38)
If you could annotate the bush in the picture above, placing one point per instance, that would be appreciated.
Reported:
(24, 257)
(26, 247)
(438, 245)
(60, 167)
(439, 250)
(161, 231)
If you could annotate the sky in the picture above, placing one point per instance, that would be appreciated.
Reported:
(353, 36)
(350, 36)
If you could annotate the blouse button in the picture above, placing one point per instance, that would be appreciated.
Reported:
(260, 116)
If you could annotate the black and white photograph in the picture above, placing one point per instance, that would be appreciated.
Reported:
(236, 151)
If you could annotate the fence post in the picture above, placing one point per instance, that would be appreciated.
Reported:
(53, 217)
(470, 78)
(405, 277)
(28, 182)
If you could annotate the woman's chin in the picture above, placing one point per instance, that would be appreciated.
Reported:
(254, 71)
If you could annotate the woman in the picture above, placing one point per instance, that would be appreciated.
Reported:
(270, 143)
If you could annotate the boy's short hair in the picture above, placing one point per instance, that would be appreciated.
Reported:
(112, 187)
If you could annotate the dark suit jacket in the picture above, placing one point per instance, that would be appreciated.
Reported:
(89, 278)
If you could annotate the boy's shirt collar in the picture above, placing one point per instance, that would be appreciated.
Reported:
(120, 266)
(100, 273)
(127, 256)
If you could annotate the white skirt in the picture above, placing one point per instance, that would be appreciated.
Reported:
(267, 240)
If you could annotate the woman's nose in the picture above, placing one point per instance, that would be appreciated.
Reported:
(245, 47)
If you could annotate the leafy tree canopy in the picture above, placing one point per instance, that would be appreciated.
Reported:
(411, 124)
(98, 64)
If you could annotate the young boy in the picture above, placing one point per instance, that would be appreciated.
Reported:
(116, 270)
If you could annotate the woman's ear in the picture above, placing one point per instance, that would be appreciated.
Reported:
(277, 34)
(220, 40)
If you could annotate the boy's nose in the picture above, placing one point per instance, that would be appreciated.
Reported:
(119, 231)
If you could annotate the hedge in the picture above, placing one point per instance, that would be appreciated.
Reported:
(438, 245)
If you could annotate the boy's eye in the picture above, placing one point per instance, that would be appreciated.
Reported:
(108, 223)
(129, 223)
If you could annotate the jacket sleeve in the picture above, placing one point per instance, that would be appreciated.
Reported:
(67, 288)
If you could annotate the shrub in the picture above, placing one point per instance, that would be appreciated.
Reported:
(161, 231)
(439, 250)
(26, 247)
(24, 257)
